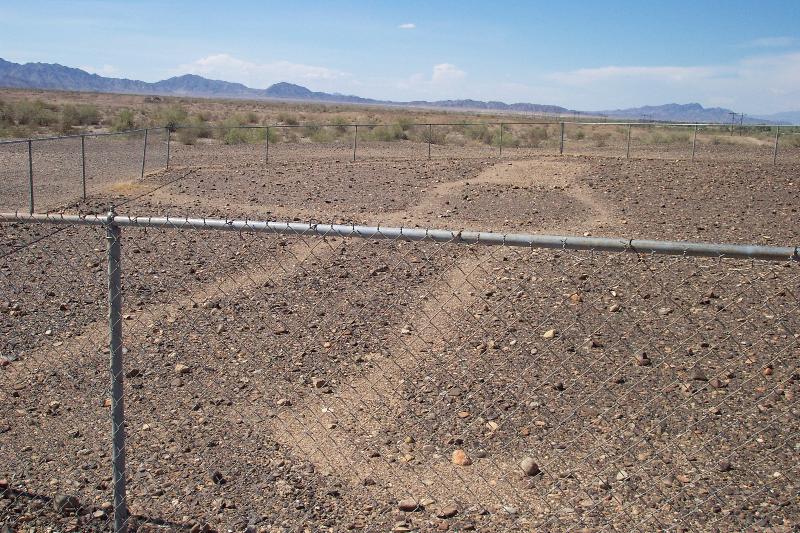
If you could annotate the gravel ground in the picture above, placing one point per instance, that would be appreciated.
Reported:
(285, 383)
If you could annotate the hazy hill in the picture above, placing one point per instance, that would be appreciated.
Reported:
(58, 77)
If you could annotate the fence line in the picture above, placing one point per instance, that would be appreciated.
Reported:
(427, 138)
(114, 224)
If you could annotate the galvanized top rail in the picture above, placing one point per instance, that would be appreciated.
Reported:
(641, 246)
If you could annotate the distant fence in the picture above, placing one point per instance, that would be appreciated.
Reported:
(280, 375)
(618, 139)
(44, 173)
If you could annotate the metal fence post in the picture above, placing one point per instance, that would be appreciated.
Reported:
(169, 138)
(144, 152)
(501, 138)
(30, 175)
(115, 347)
(628, 148)
(430, 136)
(561, 145)
(355, 142)
(83, 165)
(774, 151)
(694, 141)
(266, 150)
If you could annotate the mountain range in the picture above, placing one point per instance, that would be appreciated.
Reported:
(53, 76)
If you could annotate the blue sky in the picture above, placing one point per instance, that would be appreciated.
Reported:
(744, 55)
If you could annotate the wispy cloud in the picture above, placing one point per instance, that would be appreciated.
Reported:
(773, 80)
(229, 68)
(771, 42)
(407, 26)
(446, 73)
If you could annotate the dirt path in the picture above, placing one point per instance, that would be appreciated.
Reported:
(336, 432)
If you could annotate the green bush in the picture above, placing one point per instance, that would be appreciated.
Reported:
(389, 133)
(35, 113)
(125, 120)
(172, 116)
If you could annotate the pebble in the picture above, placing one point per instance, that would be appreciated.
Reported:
(549, 334)
(448, 511)
(724, 466)
(642, 359)
(283, 402)
(699, 375)
(66, 504)
(181, 368)
(461, 458)
(410, 505)
(529, 466)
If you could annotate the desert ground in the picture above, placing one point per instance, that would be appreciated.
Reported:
(302, 383)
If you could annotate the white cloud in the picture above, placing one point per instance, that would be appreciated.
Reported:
(105, 70)
(446, 73)
(407, 26)
(259, 75)
(771, 42)
(756, 84)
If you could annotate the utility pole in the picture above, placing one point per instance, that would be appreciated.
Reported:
(733, 120)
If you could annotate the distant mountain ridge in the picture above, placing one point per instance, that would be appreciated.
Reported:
(693, 112)
(58, 77)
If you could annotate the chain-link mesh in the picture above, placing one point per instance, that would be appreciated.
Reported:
(54, 429)
(280, 380)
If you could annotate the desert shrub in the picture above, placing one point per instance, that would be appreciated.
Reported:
(251, 117)
(601, 138)
(172, 117)
(236, 136)
(791, 140)
(455, 138)
(480, 133)
(80, 115)
(188, 135)
(389, 133)
(35, 113)
(405, 123)
(286, 118)
(232, 132)
(532, 136)
(580, 135)
(433, 135)
(340, 124)
(195, 128)
(124, 120)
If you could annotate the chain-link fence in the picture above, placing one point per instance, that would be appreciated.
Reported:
(279, 376)
(54, 173)
(51, 173)
(253, 145)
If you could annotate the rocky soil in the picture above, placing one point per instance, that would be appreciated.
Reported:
(286, 383)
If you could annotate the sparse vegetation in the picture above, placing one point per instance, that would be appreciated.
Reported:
(125, 120)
